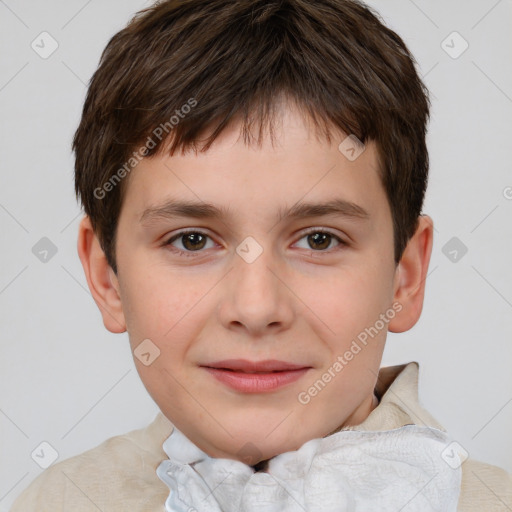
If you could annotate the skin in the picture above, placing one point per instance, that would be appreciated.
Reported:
(299, 301)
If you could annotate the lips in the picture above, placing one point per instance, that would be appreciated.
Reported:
(245, 366)
(255, 376)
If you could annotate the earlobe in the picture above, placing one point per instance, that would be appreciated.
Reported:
(410, 276)
(102, 281)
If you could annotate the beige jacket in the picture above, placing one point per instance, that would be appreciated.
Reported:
(120, 474)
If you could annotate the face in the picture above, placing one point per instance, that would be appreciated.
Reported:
(258, 276)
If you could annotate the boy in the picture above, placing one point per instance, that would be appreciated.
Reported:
(253, 174)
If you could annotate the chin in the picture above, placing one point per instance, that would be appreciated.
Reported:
(258, 445)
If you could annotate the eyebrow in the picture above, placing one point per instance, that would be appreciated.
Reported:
(177, 208)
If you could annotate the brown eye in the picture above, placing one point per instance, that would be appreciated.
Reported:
(188, 242)
(193, 241)
(320, 240)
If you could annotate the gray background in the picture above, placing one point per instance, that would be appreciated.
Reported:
(67, 381)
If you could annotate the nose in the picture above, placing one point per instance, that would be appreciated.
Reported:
(256, 297)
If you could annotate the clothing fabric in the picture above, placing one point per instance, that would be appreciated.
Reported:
(121, 473)
(344, 472)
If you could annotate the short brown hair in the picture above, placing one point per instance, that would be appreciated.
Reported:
(233, 59)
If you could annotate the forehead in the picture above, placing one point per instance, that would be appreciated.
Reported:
(297, 166)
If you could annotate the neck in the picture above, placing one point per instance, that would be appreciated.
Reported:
(362, 412)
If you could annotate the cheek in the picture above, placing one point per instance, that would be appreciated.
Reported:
(347, 303)
(154, 303)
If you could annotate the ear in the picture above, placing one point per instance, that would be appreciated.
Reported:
(101, 279)
(410, 276)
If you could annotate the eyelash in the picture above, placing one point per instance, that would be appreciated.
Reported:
(189, 254)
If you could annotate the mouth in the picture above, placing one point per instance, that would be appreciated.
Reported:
(255, 377)
(245, 366)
